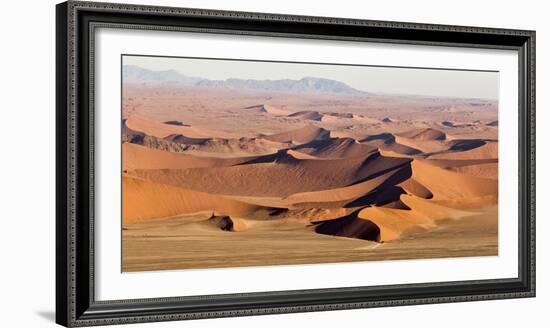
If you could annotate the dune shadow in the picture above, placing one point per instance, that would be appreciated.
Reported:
(465, 145)
(350, 226)
(386, 193)
(387, 138)
(277, 211)
(379, 197)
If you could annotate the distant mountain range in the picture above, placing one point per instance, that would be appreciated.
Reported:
(133, 73)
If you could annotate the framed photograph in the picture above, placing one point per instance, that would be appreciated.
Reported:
(216, 164)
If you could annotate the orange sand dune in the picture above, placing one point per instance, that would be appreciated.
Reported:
(350, 226)
(161, 130)
(256, 109)
(389, 153)
(388, 142)
(265, 108)
(385, 224)
(335, 148)
(423, 214)
(352, 192)
(222, 147)
(452, 163)
(265, 201)
(465, 144)
(489, 150)
(483, 168)
(487, 171)
(239, 147)
(348, 134)
(141, 157)
(299, 155)
(145, 200)
(340, 119)
(416, 188)
(217, 177)
(425, 146)
(425, 134)
(276, 110)
(307, 115)
(277, 176)
(365, 119)
(427, 140)
(306, 134)
(334, 120)
(181, 139)
(455, 188)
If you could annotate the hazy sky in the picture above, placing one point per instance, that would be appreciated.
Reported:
(392, 80)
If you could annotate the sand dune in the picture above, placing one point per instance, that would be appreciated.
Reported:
(218, 177)
(365, 119)
(340, 115)
(239, 147)
(275, 110)
(423, 214)
(432, 141)
(161, 130)
(416, 188)
(451, 163)
(265, 108)
(343, 197)
(424, 134)
(300, 155)
(146, 200)
(465, 145)
(488, 150)
(331, 120)
(334, 119)
(222, 147)
(215, 177)
(181, 139)
(487, 171)
(425, 146)
(307, 115)
(277, 177)
(350, 226)
(454, 188)
(349, 193)
(335, 148)
(302, 135)
(176, 122)
(396, 194)
(348, 134)
(388, 142)
(144, 158)
(386, 224)
(256, 109)
(483, 168)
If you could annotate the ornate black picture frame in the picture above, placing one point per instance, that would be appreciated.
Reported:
(75, 301)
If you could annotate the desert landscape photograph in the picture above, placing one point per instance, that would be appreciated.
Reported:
(237, 163)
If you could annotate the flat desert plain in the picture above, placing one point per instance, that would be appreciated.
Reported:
(228, 177)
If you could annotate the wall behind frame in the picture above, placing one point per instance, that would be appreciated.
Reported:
(27, 180)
